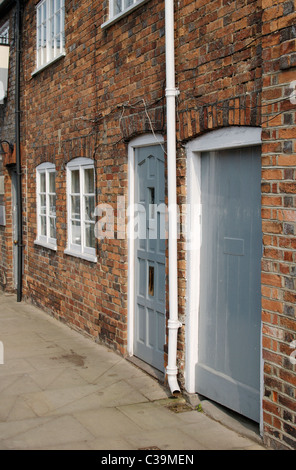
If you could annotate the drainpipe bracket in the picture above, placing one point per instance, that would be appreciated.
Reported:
(174, 324)
(172, 92)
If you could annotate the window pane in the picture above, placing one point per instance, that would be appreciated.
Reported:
(89, 181)
(43, 57)
(43, 225)
(44, 35)
(39, 56)
(51, 178)
(43, 204)
(117, 6)
(50, 43)
(90, 235)
(128, 3)
(38, 16)
(76, 233)
(44, 11)
(62, 27)
(52, 227)
(63, 40)
(42, 183)
(89, 207)
(58, 23)
(75, 186)
(52, 205)
(75, 207)
(39, 37)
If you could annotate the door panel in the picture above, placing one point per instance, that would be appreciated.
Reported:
(228, 369)
(149, 336)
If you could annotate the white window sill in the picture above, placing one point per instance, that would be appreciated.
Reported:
(42, 67)
(120, 15)
(51, 246)
(86, 256)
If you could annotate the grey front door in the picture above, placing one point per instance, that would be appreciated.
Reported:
(228, 369)
(149, 334)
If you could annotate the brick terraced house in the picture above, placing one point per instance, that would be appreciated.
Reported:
(147, 187)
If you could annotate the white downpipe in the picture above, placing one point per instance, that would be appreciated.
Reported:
(171, 93)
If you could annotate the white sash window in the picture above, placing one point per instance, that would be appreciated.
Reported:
(50, 31)
(81, 208)
(120, 8)
(46, 205)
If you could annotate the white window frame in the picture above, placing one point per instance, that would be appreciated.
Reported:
(50, 30)
(79, 250)
(126, 8)
(45, 240)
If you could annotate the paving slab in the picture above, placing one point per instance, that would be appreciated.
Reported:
(59, 390)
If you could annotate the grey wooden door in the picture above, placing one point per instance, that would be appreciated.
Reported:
(149, 334)
(228, 369)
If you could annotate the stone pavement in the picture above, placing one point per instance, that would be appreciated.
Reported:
(61, 391)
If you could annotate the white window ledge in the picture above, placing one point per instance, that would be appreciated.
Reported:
(51, 246)
(86, 256)
(120, 15)
(42, 67)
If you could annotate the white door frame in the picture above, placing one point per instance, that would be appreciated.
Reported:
(145, 140)
(230, 137)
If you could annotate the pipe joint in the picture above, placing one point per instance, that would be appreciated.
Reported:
(171, 371)
(172, 92)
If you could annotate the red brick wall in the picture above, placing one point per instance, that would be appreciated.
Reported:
(235, 63)
(218, 65)
(279, 223)
(106, 89)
